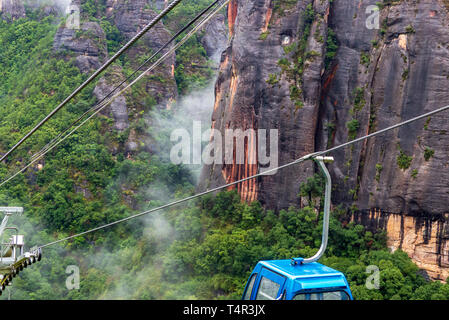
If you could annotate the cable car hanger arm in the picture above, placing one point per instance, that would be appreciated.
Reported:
(327, 205)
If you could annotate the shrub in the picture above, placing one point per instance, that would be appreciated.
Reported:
(428, 153)
(353, 126)
(404, 160)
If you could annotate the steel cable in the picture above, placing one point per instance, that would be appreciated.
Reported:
(93, 76)
(297, 161)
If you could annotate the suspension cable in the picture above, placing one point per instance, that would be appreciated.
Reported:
(173, 38)
(297, 161)
(101, 106)
(94, 75)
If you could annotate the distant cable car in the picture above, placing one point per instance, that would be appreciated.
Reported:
(12, 256)
(298, 278)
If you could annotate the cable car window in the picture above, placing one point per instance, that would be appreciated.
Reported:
(268, 289)
(300, 297)
(316, 296)
(331, 295)
(249, 289)
(335, 295)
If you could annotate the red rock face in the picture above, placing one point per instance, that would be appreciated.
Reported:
(248, 190)
(377, 78)
(232, 15)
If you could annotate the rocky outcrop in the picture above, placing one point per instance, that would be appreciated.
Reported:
(12, 9)
(132, 16)
(118, 108)
(87, 45)
(316, 72)
(15, 9)
(215, 36)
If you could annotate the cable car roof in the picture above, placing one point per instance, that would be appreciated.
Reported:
(307, 276)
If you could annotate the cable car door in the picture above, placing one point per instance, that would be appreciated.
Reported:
(270, 285)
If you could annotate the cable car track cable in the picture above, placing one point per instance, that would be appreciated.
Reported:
(173, 38)
(297, 161)
(97, 108)
(93, 76)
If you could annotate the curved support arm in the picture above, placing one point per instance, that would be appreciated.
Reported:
(327, 205)
(3, 224)
(8, 212)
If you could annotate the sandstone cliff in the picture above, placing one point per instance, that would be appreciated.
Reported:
(88, 47)
(246, 99)
(132, 16)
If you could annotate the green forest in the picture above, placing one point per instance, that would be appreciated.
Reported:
(203, 250)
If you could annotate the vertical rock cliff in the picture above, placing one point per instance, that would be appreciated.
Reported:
(88, 47)
(259, 88)
(321, 75)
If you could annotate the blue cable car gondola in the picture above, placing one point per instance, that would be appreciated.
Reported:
(298, 278)
(279, 279)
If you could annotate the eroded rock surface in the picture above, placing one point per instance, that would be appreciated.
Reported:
(87, 45)
(215, 36)
(423, 238)
(407, 75)
(118, 107)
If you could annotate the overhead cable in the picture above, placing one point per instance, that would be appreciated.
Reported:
(273, 170)
(93, 76)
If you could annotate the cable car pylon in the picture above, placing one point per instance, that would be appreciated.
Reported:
(13, 259)
(299, 278)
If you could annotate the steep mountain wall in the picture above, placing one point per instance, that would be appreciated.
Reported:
(423, 238)
(132, 16)
(406, 75)
(246, 100)
(319, 75)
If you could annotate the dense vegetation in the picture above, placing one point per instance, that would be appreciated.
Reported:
(205, 249)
